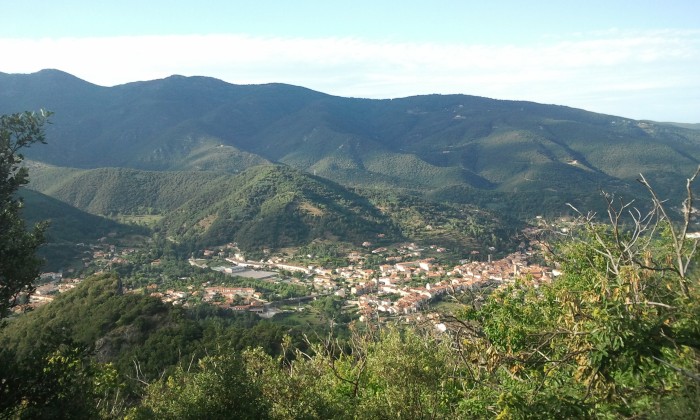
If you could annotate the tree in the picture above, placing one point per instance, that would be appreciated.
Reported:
(19, 265)
(217, 387)
(617, 335)
(399, 372)
(65, 383)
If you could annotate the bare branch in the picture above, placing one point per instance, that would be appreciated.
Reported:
(678, 238)
(678, 369)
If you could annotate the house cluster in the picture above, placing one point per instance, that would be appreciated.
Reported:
(236, 298)
(172, 296)
(51, 284)
(104, 254)
(381, 294)
(401, 286)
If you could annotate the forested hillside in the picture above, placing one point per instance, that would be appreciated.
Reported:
(268, 206)
(106, 332)
(67, 227)
(67, 224)
(119, 190)
(275, 206)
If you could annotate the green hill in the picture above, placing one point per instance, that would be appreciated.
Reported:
(264, 206)
(102, 322)
(68, 227)
(267, 206)
(276, 206)
(107, 191)
(67, 224)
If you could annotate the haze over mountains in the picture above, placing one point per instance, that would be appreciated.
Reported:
(522, 157)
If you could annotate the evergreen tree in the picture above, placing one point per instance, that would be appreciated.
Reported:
(19, 266)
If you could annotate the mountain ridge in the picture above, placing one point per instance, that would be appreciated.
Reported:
(420, 143)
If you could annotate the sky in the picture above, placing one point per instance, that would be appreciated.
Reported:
(637, 59)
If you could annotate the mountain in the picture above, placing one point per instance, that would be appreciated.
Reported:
(421, 143)
(68, 226)
(107, 191)
(684, 125)
(276, 206)
(506, 155)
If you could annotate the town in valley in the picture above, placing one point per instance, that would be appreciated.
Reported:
(404, 281)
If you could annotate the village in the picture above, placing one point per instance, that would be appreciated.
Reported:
(406, 283)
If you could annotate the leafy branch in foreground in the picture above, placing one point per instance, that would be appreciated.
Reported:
(618, 333)
(19, 266)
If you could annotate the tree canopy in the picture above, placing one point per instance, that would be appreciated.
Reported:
(19, 266)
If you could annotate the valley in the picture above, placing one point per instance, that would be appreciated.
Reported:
(398, 280)
(442, 256)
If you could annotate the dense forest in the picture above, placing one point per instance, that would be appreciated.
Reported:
(266, 206)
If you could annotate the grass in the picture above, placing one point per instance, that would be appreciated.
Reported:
(308, 316)
(447, 306)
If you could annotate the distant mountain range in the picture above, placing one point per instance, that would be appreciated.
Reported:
(420, 143)
(516, 157)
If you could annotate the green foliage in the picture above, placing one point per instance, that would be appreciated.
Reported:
(65, 383)
(330, 307)
(612, 336)
(400, 374)
(410, 376)
(19, 266)
(99, 300)
(329, 254)
(141, 337)
(217, 387)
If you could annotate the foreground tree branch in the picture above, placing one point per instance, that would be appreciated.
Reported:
(19, 266)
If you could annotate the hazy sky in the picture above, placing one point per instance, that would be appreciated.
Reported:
(638, 59)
